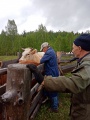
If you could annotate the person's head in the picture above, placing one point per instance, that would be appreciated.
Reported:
(44, 46)
(81, 45)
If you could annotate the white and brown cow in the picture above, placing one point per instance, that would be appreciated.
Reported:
(31, 55)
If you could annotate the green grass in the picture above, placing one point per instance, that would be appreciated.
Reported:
(64, 108)
(6, 58)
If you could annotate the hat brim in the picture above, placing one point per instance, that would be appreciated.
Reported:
(41, 49)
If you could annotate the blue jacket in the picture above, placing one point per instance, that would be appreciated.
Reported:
(50, 63)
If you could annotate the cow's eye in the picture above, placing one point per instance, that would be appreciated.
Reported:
(26, 55)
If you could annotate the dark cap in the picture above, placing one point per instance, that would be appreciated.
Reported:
(83, 41)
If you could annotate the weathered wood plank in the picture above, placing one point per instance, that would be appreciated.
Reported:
(34, 89)
(68, 68)
(35, 101)
(4, 64)
(3, 71)
(2, 89)
(17, 92)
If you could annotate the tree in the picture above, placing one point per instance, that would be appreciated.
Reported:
(11, 28)
(41, 33)
(42, 28)
(3, 33)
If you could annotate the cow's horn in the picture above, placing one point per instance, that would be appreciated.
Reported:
(23, 48)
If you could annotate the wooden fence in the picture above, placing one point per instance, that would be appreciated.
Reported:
(19, 99)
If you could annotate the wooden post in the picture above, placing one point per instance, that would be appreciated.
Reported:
(19, 54)
(17, 96)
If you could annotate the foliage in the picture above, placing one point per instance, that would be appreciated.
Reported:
(11, 28)
(11, 42)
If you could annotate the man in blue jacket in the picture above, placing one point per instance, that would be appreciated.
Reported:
(50, 68)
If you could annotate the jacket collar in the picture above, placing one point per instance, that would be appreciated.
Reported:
(79, 60)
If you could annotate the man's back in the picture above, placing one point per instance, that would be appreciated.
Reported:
(50, 63)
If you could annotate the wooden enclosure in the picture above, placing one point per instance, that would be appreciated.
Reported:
(19, 99)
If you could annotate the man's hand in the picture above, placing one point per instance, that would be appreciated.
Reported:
(32, 68)
(37, 74)
(41, 86)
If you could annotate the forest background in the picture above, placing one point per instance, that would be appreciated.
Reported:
(11, 42)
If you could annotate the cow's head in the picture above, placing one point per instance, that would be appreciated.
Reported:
(30, 55)
(27, 52)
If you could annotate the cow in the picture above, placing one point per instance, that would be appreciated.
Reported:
(31, 55)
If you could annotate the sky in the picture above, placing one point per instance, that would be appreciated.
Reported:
(55, 15)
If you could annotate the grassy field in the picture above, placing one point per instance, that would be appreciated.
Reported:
(6, 58)
(64, 108)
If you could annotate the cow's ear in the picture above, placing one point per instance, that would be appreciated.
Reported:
(34, 51)
(31, 49)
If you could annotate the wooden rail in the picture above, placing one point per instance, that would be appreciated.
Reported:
(4, 64)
